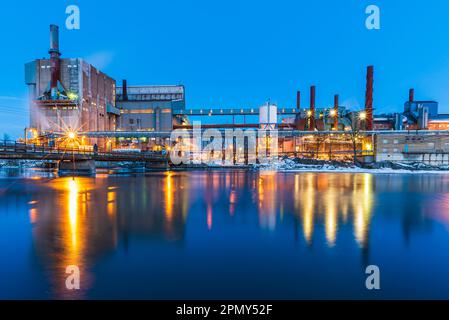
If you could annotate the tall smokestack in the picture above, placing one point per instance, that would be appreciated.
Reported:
(54, 60)
(125, 90)
(411, 95)
(336, 104)
(369, 98)
(298, 100)
(312, 109)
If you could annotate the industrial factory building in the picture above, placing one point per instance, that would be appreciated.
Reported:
(69, 94)
(149, 108)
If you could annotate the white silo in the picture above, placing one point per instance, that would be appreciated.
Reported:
(268, 116)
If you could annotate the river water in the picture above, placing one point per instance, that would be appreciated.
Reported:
(224, 234)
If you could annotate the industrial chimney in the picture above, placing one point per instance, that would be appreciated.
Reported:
(125, 90)
(336, 104)
(411, 95)
(312, 109)
(54, 61)
(298, 100)
(369, 98)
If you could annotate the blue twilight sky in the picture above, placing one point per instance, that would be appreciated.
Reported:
(237, 53)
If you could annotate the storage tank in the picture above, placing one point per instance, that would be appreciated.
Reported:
(268, 115)
(423, 118)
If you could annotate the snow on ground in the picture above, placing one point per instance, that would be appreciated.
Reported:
(289, 165)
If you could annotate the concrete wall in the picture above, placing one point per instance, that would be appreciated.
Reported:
(429, 149)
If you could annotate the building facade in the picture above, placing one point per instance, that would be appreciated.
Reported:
(90, 103)
(149, 108)
(69, 94)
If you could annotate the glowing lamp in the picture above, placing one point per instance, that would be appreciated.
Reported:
(362, 115)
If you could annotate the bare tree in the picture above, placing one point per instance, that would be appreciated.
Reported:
(356, 123)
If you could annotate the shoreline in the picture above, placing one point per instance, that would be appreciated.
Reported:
(286, 165)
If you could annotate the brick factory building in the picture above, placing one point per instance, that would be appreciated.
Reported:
(69, 94)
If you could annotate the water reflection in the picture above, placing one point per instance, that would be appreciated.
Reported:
(82, 221)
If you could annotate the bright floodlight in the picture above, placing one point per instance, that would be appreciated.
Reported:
(362, 115)
(333, 113)
(71, 135)
(72, 96)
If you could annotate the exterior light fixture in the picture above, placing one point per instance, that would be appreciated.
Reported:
(362, 115)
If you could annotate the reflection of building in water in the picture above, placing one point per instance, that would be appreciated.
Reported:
(68, 231)
(267, 192)
(78, 221)
(304, 202)
(362, 206)
(155, 207)
(325, 198)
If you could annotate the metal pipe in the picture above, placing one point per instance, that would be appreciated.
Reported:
(369, 98)
(298, 100)
(54, 60)
(312, 109)
(411, 95)
(336, 106)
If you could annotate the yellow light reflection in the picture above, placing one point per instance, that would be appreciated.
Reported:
(267, 191)
(168, 193)
(331, 217)
(362, 207)
(308, 201)
(73, 210)
(112, 195)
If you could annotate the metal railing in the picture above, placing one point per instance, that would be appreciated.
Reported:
(7, 146)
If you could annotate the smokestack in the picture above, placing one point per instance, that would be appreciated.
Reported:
(336, 104)
(312, 109)
(411, 95)
(298, 100)
(125, 90)
(54, 39)
(369, 98)
(54, 60)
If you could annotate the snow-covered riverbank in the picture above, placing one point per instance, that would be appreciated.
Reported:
(300, 165)
(283, 165)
